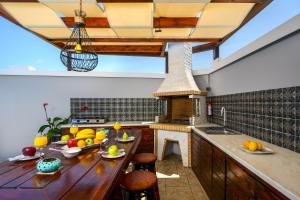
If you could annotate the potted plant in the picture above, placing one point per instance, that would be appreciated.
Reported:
(53, 124)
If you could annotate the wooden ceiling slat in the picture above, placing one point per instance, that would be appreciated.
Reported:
(127, 48)
(237, 1)
(144, 40)
(18, 1)
(91, 22)
(204, 47)
(163, 22)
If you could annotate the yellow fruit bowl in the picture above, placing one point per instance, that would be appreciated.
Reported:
(255, 147)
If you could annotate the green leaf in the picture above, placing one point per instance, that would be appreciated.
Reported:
(50, 134)
(55, 119)
(42, 128)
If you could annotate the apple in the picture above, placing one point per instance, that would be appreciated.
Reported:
(89, 141)
(113, 150)
(125, 136)
(65, 138)
(72, 143)
(29, 151)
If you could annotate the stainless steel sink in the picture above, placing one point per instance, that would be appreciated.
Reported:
(218, 131)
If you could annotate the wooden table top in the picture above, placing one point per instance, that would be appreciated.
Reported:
(87, 176)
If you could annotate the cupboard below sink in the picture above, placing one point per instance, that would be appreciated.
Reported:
(224, 178)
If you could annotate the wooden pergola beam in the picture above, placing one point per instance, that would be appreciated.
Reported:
(163, 49)
(57, 40)
(18, 1)
(204, 47)
(144, 54)
(162, 22)
(127, 48)
(150, 1)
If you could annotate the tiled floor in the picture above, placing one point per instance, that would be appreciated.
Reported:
(176, 182)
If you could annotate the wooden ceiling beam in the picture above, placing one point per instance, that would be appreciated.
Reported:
(144, 40)
(162, 22)
(204, 47)
(18, 1)
(127, 48)
(144, 54)
(237, 1)
(184, 22)
(124, 1)
(163, 49)
(150, 1)
(91, 22)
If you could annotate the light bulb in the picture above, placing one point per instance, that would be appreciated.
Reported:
(78, 48)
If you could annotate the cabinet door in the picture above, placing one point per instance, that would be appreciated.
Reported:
(196, 154)
(239, 184)
(218, 174)
(206, 166)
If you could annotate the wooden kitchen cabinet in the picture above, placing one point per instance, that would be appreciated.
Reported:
(202, 162)
(218, 174)
(224, 178)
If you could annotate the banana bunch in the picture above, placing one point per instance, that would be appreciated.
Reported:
(85, 134)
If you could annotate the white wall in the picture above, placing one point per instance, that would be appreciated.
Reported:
(275, 66)
(21, 111)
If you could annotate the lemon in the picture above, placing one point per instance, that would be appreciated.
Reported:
(253, 146)
(259, 146)
(246, 144)
(100, 135)
(81, 143)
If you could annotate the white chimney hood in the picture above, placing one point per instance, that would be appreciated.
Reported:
(179, 80)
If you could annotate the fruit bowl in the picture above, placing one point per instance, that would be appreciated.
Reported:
(71, 152)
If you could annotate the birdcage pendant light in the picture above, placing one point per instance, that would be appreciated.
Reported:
(78, 53)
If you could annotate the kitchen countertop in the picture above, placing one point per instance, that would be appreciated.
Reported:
(281, 170)
(110, 124)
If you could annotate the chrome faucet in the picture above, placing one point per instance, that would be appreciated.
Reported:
(223, 113)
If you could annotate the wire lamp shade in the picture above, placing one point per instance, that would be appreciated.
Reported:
(78, 53)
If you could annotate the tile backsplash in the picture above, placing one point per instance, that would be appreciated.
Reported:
(115, 109)
(270, 115)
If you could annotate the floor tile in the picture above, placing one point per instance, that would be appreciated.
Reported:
(179, 193)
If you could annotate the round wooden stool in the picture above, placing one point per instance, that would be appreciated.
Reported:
(139, 184)
(144, 161)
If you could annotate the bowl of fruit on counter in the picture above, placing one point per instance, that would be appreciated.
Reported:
(86, 139)
(255, 147)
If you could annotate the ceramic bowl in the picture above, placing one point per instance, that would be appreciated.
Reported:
(48, 165)
(71, 152)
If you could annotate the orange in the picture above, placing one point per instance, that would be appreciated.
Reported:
(81, 143)
(253, 146)
(96, 141)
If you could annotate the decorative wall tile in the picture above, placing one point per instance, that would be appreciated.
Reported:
(115, 109)
(270, 115)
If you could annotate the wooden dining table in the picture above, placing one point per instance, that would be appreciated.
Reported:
(87, 176)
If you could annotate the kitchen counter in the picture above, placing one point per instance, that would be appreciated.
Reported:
(110, 124)
(281, 170)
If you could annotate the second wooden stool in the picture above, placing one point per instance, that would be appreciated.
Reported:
(139, 184)
(144, 161)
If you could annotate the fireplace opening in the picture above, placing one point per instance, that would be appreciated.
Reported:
(171, 147)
